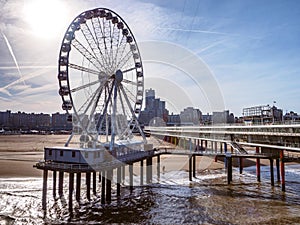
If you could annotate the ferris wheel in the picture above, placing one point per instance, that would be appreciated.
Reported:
(101, 80)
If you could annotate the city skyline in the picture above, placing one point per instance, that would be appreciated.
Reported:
(250, 47)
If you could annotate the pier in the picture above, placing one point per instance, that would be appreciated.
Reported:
(227, 150)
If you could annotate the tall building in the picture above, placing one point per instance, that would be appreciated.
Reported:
(154, 108)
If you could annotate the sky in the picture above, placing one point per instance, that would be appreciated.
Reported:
(209, 54)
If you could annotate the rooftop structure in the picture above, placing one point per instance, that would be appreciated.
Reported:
(262, 114)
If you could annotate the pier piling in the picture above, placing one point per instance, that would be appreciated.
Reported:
(194, 166)
(44, 197)
(78, 184)
(109, 176)
(241, 164)
(229, 169)
(149, 170)
(131, 176)
(278, 169)
(71, 187)
(60, 183)
(142, 173)
(88, 185)
(54, 183)
(118, 181)
(272, 171)
(158, 167)
(103, 187)
(190, 167)
(282, 170)
(94, 183)
(257, 165)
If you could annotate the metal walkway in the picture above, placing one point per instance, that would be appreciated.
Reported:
(281, 137)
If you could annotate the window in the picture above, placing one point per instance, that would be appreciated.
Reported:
(86, 154)
(61, 153)
(73, 154)
(50, 152)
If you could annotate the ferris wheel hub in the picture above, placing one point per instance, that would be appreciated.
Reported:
(119, 76)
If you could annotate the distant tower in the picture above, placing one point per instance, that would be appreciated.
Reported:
(150, 96)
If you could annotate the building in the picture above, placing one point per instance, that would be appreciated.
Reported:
(173, 120)
(262, 114)
(5, 119)
(291, 117)
(207, 119)
(154, 108)
(222, 117)
(190, 116)
(60, 122)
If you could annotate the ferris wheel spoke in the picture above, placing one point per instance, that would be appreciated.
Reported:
(85, 86)
(124, 60)
(92, 43)
(84, 69)
(124, 113)
(89, 101)
(95, 105)
(87, 54)
(132, 97)
(132, 112)
(116, 38)
(100, 121)
(128, 70)
(129, 82)
(127, 100)
(121, 101)
(97, 26)
(96, 95)
(115, 57)
(104, 37)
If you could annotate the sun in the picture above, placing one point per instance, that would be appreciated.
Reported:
(46, 18)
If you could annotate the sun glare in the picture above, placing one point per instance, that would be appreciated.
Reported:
(46, 18)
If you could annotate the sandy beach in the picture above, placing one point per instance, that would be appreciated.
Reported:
(18, 153)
